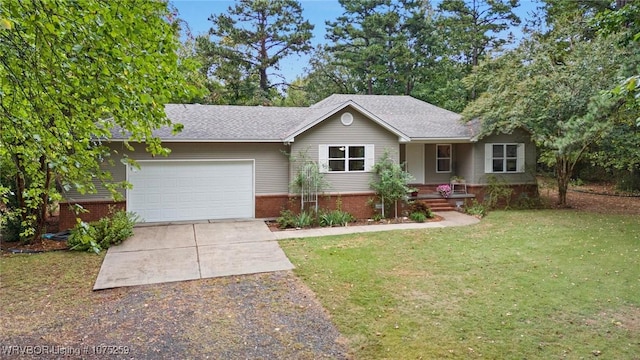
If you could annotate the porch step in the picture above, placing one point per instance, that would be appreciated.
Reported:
(439, 205)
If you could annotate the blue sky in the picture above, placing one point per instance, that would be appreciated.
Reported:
(196, 12)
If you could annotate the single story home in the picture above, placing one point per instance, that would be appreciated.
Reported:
(234, 161)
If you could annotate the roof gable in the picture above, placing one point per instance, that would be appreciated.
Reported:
(319, 114)
(417, 119)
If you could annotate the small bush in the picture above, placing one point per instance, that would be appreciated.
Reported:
(335, 218)
(526, 202)
(418, 217)
(10, 225)
(104, 233)
(498, 192)
(286, 220)
(475, 208)
(421, 207)
(83, 238)
(576, 182)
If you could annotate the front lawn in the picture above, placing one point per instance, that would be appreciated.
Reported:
(521, 284)
(37, 290)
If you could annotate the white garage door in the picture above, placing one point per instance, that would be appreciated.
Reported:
(191, 190)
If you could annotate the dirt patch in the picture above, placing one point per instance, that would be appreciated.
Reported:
(626, 318)
(265, 316)
(596, 198)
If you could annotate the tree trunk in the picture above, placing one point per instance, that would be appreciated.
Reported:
(621, 3)
(563, 176)
(264, 81)
(264, 61)
(44, 205)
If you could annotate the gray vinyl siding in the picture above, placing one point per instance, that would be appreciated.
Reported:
(271, 163)
(518, 136)
(362, 131)
(461, 163)
(431, 175)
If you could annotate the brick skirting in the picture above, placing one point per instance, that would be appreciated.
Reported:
(97, 209)
(269, 206)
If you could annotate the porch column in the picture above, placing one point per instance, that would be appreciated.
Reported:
(415, 161)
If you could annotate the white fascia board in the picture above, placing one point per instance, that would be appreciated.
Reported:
(442, 140)
(206, 141)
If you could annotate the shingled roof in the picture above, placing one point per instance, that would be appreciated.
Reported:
(409, 118)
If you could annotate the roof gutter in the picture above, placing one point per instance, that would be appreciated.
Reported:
(207, 140)
(443, 140)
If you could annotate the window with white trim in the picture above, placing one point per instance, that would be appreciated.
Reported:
(504, 158)
(443, 158)
(345, 158)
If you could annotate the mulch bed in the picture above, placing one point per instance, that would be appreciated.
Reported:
(42, 245)
(273, 225)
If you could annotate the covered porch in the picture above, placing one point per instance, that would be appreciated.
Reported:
(438, 163)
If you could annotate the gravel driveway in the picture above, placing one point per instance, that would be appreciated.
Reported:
(262, 316)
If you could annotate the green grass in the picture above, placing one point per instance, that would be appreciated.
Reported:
(521, 284)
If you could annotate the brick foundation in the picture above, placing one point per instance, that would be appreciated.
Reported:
(269, 206)
(356, 204)
(97, 209)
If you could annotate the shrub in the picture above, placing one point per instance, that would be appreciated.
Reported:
(287, 219)
(83, 238)
(475, 208)
(10, 225)
(421, 207)
(524, 201)
(389, 181)
(497, 192)
(104, 233)
(335, 218)
(418, 216)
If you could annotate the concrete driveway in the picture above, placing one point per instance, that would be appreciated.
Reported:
(165, 253)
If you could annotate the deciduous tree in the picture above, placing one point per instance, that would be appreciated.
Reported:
(549, 85)
(70, 73)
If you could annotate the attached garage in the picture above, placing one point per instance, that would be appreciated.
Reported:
(184, 190)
